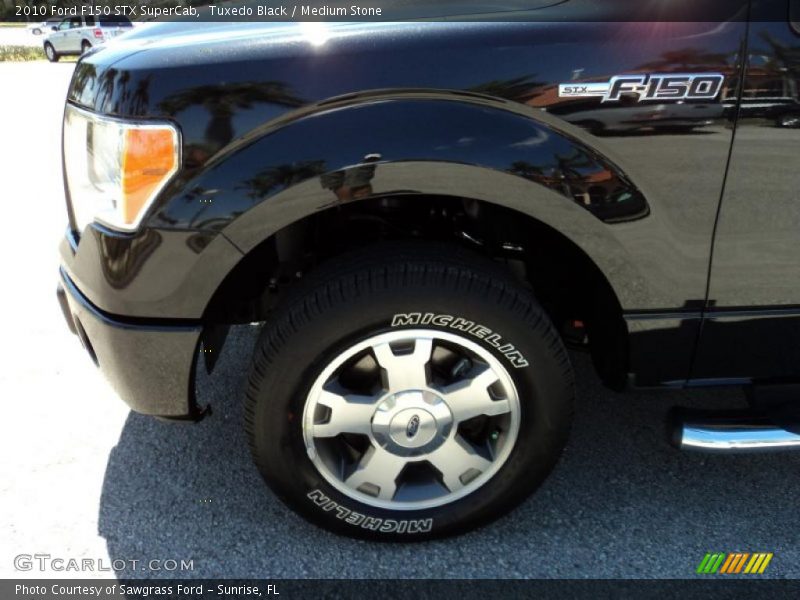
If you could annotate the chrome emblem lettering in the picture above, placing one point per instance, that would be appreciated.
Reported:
(657, 86)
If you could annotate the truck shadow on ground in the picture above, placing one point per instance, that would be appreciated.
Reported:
(621, 503)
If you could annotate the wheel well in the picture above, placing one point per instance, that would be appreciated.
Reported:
(568, 284)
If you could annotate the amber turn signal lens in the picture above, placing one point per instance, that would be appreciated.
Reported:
(149, 158)
(115, 169)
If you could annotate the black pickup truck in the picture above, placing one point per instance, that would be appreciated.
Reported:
(425, 216)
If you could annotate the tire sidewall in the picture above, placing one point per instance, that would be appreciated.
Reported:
(545, 401)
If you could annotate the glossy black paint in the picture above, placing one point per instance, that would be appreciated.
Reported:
(748, 346)
(233, 96)
(151, 366)
(756, 250)
(275, 118)
(752, 329)
(447, 128)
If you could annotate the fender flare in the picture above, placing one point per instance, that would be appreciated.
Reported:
(416, 144)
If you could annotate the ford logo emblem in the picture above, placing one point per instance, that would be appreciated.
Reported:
(412, 427)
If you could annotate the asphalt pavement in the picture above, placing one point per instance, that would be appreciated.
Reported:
(81, 477)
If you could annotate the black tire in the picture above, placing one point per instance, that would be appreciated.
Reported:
(50, 52)
(85, 47)
(356, 296)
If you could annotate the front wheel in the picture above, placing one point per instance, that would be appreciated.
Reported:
(408, 393)
(50, 52)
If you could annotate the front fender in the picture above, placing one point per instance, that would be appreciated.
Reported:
(462, 147)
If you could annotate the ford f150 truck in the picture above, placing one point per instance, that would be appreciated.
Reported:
(425, 216)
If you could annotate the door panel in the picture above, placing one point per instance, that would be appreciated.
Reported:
(58, 37)
(72, 40)
(756, 263)
(757, 249)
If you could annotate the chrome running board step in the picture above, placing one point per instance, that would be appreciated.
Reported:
(733, 432)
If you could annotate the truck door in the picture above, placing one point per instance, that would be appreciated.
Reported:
(752, 325)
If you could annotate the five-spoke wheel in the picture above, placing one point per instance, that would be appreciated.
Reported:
(411, 419)
(409, 392)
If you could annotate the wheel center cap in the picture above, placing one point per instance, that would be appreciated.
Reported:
(412, 428)
(412, 422)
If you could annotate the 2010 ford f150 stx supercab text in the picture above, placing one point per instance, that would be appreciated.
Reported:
(424, 216)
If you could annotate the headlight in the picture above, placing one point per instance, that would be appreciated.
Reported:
(115, 169)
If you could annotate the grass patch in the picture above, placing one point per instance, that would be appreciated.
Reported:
(13, 24)
(21, 53)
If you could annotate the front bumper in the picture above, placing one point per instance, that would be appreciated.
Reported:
(149, 363)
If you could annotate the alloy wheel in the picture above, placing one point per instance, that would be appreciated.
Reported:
(411, 419)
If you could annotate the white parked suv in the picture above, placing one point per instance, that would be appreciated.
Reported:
(76, 35)
(43, 27)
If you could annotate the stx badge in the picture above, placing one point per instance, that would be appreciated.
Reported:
(658, 86)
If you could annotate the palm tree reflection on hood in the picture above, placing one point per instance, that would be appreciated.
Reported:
(222, 102)
(279, 177)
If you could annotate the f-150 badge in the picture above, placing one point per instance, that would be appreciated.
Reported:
(658, 86)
